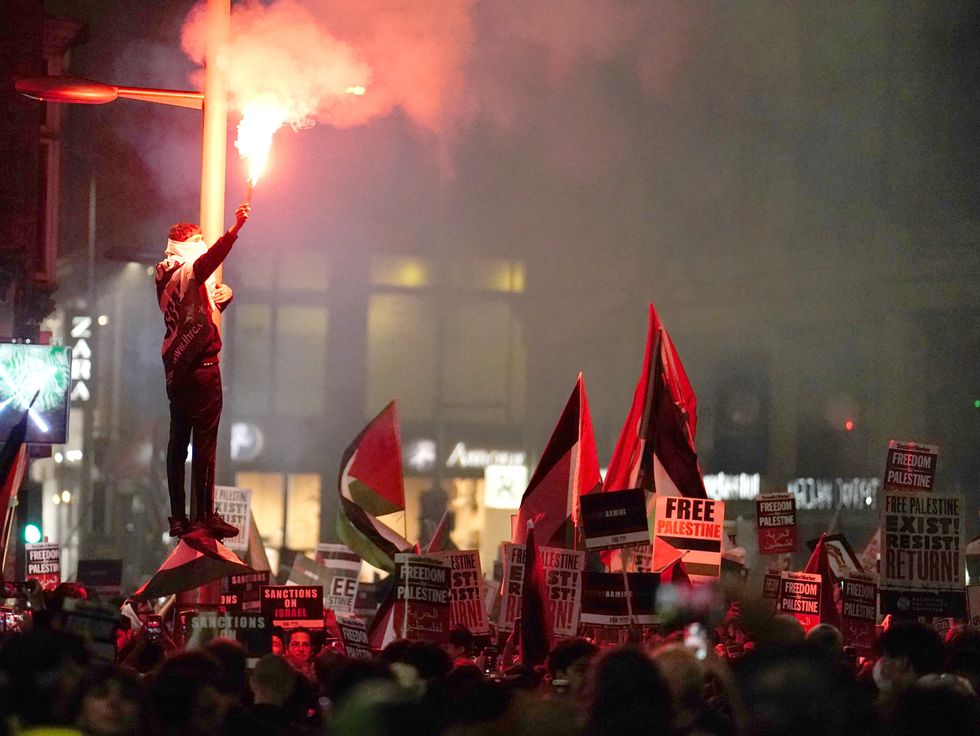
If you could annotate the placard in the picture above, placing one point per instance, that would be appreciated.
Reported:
(244, 590)
(510, 589)
(44, 564)
(343, 567)
(694, 525)
(770, 587)
(606, 601)
(252, 630)
(776, 521)
(466, 608)
(910, 467)
(859, 612)
(563, 580)
(235, 506)
(973, 605)
(799, 595)
(102, 576)
(922, 558)
(615, 519)
(354, 635)
(293, 606)
(423, 594)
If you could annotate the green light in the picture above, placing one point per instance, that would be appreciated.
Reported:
(976, 404)
(32, 533)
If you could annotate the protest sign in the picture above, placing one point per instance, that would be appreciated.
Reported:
(973, 605)
(244, 590)
(252, 630)
(841, 557)
(510, 590)
(466, 606)
(910, 466)
(563, 580)
(354, 635)
(695, 526)
(94, 622)
(102, 576)
(422, 593)
(776, 521)
(607, 602)
(235, 506)
(340, 586)
(943, 625)
(369, 597)
(615, 519)
(770, 586)
(43, 564)
(922, 560)
(859, 612)
(293, 606)
(799, 595)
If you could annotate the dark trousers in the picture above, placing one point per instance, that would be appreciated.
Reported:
(195, 409)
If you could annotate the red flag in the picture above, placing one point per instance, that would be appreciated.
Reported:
(820, 564)
(440, 541)
(370, 484)
(655, 449)
(568, 469)
(535, 637)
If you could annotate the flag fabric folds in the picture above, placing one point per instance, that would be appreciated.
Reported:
(568, 469)
(535, 637)
(197, 560)
(820, 563)
(370, 485)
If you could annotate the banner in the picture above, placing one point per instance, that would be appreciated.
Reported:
(799, 595)
(910, 467)
(694, 526)
(615, 519)
(922, 558)
(510, 590)
(242, 592)
(43, 564)
(776, 521)
(859, 612)
(563, 578)
(466, 608)
(293, 606)
(423, 594)
(235, 506)
(252, 630)
(102, 576)
(343, 566)
(354, 635)
(606, 601)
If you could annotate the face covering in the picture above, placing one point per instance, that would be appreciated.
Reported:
(190, 251)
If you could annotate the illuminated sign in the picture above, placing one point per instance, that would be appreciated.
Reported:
(81, 363)
(853, 494)
(478, 457)
(40, 374)
(730, 487)
(503, 486)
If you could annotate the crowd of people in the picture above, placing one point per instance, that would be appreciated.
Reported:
(777, 680)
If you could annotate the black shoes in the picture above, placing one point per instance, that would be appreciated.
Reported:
(218, 528)
(179, 526)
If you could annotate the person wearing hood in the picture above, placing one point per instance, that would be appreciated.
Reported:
(189, 298)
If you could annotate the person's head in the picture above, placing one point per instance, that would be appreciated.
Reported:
(111, 702)
(184, 699)
(273, 680)
(460, 643)
(568, 661)
(278, 641)
(627, 694)
(963, 654)
(234, 667)
(907, 650)
(828, 638)
(937, 704)
(183, 232)
(41, 673)
(300, 645)
(684, 674)
(122, 633)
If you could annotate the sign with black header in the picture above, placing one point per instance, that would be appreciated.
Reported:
(859, 611)
(607, 602)
(910, 466)
(770, 587)
(776, 523)
(423, 594)
(44, 564)
(695, 525)
(466, 607)
(615, 519)
(102, 576)
(293, 606)
(244, 590)
(799, 595)
(354, 635)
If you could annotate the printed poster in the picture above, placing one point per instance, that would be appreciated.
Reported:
(695, 526)
(466, 606)
(776, 522)
(235, 506)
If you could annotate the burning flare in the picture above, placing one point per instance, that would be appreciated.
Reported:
(260, 120)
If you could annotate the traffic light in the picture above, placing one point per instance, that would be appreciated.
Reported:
(29, 521)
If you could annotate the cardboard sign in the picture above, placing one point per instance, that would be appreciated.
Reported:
(799, 595)
(694, 525)
(244, 590)
(563, 579)
(973, 605)
(616, 519)
(466, 607)
(910, 467)
(343, 567)
(770, 587)
(102, 576)
(293, 606)
(513, 583)
(607, 602)
(235, 506)
(922, 558)
(776, 521)
(44, 564)
(423, 594)
(354, 635)
(253, 630)
(859, 612)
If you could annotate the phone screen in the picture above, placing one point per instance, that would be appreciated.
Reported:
(153, 626)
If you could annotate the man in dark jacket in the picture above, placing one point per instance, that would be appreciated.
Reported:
(189, 299)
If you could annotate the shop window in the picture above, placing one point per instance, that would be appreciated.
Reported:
(253, 372)
(303, 511)
(401, 271)
(401, 361)
(286, 509)
(487, 274)
(300, 353)
(267, 504)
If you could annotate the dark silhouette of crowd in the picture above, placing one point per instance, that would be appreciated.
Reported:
(777, 681)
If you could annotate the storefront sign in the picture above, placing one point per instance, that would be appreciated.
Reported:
(728, 487)
(503, 486)
(852, 494)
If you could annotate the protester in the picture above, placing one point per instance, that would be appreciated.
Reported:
(460, 646)
(111, 702)
(963, 654)
(184, 698)
(907, 650)
(567, 663)
(627, 695)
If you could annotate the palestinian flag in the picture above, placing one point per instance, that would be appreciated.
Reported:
(13, 465)
(819, 563)
(440, 541)
(568, 469)
(198, 559)
(370, 485)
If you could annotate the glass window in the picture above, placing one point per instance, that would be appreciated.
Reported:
(303, 511)
(402, 271)
(300, 355)
(267, 504)
(253, 369)
(487, 274)
(257, 269)
(401, 346)
(307, 270)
